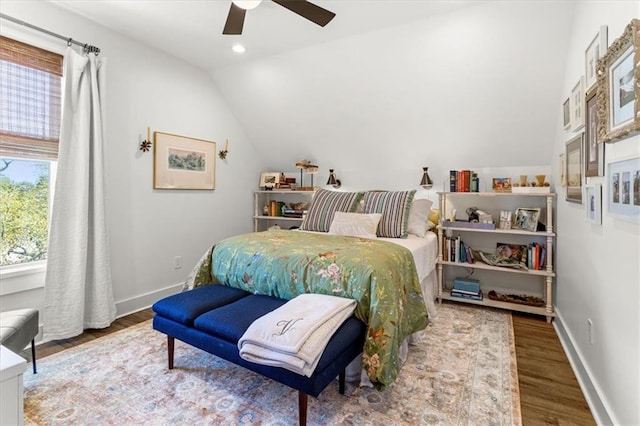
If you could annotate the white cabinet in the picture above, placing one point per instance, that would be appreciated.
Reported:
(503, 280)
(12, 367)
(268, 208)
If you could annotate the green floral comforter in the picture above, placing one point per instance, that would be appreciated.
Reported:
(379, 275)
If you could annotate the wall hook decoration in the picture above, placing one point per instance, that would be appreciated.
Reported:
(145, 145)
(223, 154)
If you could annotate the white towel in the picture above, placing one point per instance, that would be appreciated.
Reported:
(294, 335)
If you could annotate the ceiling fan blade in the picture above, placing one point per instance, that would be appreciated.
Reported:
(308, 10)
(235, 20)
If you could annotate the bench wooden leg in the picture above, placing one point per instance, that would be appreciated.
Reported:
(302, 408)
(170, 346)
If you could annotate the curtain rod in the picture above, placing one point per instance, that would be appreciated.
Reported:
(87, 48)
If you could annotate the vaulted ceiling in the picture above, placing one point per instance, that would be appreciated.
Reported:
(192, 30)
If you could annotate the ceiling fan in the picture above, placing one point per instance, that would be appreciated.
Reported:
(235, 19)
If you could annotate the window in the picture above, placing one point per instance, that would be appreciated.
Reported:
(30, 112)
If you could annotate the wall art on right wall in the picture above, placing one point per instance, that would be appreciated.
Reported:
(624, 190)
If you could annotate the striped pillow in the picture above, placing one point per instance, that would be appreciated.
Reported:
(324, 205)
(395, 207)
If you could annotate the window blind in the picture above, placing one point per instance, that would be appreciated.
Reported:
(30, 101)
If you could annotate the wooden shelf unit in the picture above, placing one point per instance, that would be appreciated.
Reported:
(263, 197)
(548, 236)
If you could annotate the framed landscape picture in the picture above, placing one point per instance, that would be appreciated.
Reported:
(574, 169)
(182, 162)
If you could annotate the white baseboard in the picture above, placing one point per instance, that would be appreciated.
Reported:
(143, 301)
(134, 304)
(597, 404)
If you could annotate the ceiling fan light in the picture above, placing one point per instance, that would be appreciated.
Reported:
(247, 4)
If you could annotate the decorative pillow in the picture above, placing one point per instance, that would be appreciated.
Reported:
(394, 207)
(434, 217)
(324, 205)
(419, 217)
(355, 224)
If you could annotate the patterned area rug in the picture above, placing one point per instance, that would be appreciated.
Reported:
(463, 373)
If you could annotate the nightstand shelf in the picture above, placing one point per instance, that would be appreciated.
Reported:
(261, 198)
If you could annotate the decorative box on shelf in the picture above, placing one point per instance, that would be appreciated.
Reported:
(531, 190)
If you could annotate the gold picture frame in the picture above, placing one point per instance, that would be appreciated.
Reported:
(574, 169)
(181, 162)
(618, 95)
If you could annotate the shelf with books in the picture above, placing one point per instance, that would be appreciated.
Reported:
(277, 206)
(514, 250)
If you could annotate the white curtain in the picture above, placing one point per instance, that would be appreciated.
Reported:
(78, 288)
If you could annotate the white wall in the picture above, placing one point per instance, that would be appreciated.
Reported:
(473, 89)
(148, 227)
(597, 266)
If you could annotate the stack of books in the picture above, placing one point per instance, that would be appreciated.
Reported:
(466, 288)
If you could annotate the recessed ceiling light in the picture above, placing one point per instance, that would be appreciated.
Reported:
(238, 48)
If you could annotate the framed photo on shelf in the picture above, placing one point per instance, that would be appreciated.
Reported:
(182, 162)
(594, 151)
(617, 88)
(594, 51)
(566, 114)
(624, 189)
(574, 169)
(527, 219)
(593, 197)
(501, 184)
(577, 105)
(269, 179)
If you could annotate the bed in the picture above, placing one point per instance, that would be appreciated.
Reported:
(370, 257)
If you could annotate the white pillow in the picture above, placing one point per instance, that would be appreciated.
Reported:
(418, 223)
(355, 224)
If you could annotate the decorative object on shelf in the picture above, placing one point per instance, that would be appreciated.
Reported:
(594, 51)
(566, 114)
(223, 154)
(574, 169)
(505, 219)
(541, 180)
(305, 166)
(577, 105)
(594, 151)
(527, 219)
(624, 189)
(618, 92)
(426, 181)
(145, 145)
(268, 180)
(523, 180)
(593, 196)
(333, 181)
(501, 184)
(521, 299)
(181, 162)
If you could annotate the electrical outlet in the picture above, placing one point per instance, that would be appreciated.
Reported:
(177, 262)
(590, 330)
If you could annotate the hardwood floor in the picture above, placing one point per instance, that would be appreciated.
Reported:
(549, 391)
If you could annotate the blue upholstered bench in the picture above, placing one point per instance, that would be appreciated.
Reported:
(214, 317)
